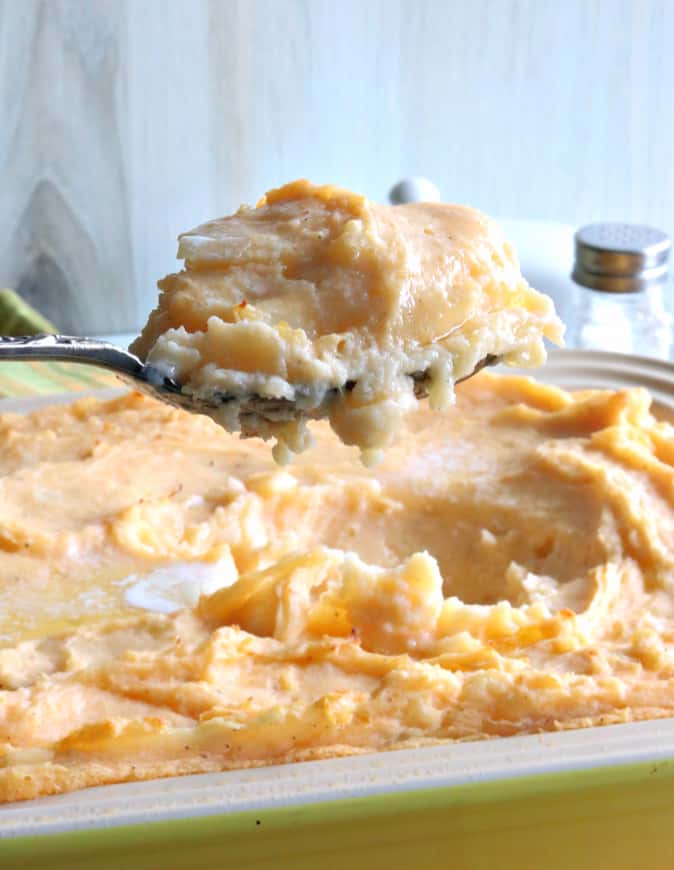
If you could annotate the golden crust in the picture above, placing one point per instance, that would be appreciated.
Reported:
(26, 783)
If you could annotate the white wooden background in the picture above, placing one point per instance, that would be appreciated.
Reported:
(123, 122)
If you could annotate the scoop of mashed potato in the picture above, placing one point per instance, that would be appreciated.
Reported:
(324, 304)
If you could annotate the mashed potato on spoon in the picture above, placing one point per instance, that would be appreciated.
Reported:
(318, 303)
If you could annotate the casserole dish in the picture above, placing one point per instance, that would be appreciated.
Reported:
(598, 797)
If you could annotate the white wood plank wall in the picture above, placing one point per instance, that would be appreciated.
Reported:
(123, 122)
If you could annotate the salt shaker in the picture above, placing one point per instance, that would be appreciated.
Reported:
(622, 272)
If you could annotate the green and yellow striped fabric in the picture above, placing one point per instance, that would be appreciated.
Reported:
(38, 378)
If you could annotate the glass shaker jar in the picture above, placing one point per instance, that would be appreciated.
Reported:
(622, 271)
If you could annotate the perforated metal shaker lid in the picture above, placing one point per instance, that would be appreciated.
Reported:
(621, 258)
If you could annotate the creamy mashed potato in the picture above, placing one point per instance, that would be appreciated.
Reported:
(171, 601)
(324, 304)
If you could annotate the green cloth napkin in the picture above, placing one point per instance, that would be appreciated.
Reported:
(19, 318)
(37, 378)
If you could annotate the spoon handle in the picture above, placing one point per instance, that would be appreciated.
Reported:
(70, 348)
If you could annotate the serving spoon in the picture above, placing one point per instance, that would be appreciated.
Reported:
(148, 379)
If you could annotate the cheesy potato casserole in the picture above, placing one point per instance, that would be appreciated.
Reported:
(172, 601)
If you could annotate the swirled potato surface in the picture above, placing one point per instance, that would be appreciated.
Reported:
(171, 601)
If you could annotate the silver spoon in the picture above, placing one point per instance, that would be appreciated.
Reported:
(150, 380)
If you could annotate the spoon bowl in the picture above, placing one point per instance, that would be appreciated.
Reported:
(152, 381)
